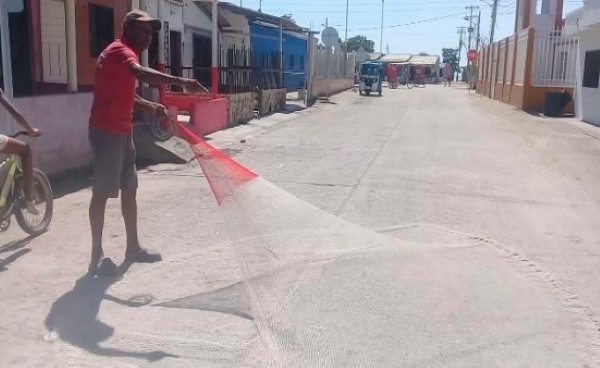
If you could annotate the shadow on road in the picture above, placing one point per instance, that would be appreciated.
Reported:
(13, 257)
(74, 317)
(14, 245)
(17, 248)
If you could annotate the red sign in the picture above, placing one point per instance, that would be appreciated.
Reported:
(472, 55)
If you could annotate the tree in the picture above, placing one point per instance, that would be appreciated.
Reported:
(450, 56)
(423, 54)
(356, 42)
(288, 17)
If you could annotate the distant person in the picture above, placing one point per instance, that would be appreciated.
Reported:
(448, 75)
(420, 71)
(110, 133)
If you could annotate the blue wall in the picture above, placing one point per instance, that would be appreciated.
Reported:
(265, 40)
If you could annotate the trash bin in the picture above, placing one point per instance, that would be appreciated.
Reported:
(553, 104)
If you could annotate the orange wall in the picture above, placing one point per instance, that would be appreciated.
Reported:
(517, 96)
(85, 62)
(535, 98)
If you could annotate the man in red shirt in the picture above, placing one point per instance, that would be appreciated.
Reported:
(110, 133)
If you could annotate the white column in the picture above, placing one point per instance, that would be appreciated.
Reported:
(214, 71)
(144, 56)
(161, 34)
(6, 62)
(135, 4)
(71, 37)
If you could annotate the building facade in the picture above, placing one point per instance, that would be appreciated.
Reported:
(584, 23)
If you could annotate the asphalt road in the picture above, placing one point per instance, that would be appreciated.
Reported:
(425, 228)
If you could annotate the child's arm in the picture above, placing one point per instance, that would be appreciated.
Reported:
(16, 114)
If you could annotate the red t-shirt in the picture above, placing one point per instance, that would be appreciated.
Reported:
(114, 90)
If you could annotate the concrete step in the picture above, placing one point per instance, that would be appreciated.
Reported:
(151, 151)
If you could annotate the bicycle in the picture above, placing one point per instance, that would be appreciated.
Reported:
(420, 81)
(408, 82)
(12, 198)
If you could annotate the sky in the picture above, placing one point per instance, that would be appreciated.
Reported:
(434, 22)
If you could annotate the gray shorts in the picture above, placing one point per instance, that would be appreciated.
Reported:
(113, 163)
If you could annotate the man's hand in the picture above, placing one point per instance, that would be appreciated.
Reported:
(34, 132)
(193, 86)
(161, 112)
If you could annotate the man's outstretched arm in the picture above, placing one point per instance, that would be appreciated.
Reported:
(154, 77)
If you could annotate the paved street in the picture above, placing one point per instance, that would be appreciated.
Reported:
(425, 228)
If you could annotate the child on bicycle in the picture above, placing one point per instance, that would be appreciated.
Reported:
(14, 146)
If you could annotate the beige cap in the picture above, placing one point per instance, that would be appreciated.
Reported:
(141, 16)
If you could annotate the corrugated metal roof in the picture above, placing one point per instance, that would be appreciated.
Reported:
(396, 58)
(375, 55)
(425, 59)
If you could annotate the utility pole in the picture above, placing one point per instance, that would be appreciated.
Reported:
(381, 40)
(494, 15)
(461, 32)
(470, 18)
(260, 6)
(478, 31)
(346, 39)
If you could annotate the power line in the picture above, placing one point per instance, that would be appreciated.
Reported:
(411, 23)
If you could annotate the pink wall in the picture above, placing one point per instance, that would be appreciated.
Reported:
(63, 120)
(209, 116)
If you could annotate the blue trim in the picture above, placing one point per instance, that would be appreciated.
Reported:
(265, 40)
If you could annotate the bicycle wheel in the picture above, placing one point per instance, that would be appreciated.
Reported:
(163, 129)
(35, 224)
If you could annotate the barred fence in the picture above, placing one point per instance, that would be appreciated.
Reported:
(330, 62)
(522, 68)
(554, 59)
(241, 70)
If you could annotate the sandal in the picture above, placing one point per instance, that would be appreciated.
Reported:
(143, 256)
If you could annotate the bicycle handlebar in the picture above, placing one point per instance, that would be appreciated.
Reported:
(22, 132)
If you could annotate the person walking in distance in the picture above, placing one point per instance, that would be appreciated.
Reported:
(110, 133)
(448, 74)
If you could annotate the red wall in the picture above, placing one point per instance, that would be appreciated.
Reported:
(85, 62)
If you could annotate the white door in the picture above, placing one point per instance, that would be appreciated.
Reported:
(54, 41)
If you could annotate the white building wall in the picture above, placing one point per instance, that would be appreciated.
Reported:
(542, 14)
(194, 22)
(587, 99)
(238, 35)
(172, 13)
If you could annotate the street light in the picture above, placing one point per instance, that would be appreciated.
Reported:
(346, 39)
(381, 40)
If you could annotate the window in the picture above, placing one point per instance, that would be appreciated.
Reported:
(542, 7)
(301, 62)
(102, 29)
(291, 62)
(591, 73)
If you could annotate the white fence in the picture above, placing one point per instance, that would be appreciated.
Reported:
(554, 59)
(332, 65)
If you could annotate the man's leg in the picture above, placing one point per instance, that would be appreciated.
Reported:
(129, 209)
(107, 151)
(129, 184)
(97, 209)
(22, 149)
